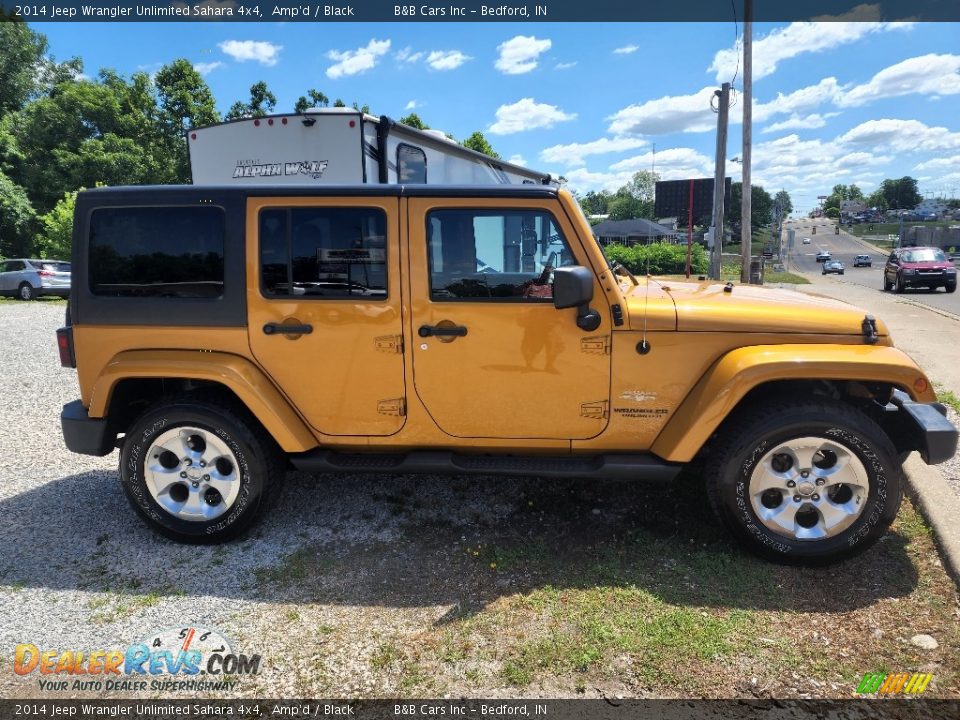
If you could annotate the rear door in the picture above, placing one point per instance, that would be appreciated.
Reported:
(323, 295)
(492, 357)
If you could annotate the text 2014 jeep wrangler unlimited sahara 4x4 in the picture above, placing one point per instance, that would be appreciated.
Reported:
(223, 333)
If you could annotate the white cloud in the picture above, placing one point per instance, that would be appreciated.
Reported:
(517, 159)
(925, 75)
(795, 39)
(799, 101)
(669, 164)
(564, 65)
(407, 55)
(412, 105)
(519, 55)
(205, 68)
(626, 50)
(900, 135)
(798, 122)
(862, 159)
(575, 153)
(527, 114)
(952, 161)
(678, 113)
(265, 53)
(353, 62)
(447, 59)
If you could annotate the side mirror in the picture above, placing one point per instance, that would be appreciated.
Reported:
(573, 287)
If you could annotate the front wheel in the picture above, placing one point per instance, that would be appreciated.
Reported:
(809, 482)
(198, 472)
(898, 286)
(950, 287)
(887, 285)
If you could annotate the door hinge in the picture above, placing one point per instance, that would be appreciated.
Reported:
(396, 406)
(598, 345)
(389, 343)
(596, 410)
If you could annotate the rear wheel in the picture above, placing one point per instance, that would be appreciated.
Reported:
(198, 472)
(807, 482)
(26, 291)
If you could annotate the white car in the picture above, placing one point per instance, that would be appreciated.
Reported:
(824, 256)
(806, 241)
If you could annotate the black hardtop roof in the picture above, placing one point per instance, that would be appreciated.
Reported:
(155, 192)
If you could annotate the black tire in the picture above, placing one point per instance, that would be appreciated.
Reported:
(887, 285)
(757, 431)
(950, 287)
(26, 291)
(898, 285)
(258, 469)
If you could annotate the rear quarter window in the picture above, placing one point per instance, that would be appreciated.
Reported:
(171, 252)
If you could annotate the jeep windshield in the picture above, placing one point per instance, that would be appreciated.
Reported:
(924, 255)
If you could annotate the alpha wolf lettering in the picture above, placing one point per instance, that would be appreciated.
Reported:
(314, 168)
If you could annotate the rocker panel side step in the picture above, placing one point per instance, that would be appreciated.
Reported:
(623, 466)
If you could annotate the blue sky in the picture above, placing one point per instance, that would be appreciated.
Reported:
(833, 102)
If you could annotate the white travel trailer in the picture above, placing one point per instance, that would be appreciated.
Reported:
(340, 146)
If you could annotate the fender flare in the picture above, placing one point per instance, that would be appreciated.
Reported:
(739, 371)
(242, 377)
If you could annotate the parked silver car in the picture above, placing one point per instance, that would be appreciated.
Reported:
(29, 279)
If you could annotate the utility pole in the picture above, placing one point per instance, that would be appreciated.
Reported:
(719, 179)
(746, 231)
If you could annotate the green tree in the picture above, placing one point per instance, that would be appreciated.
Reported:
(262, 102)
(17, 219)
(876, 199)
(782, 201)
(901, 194)
(596, 203)
(313, 99)
(413, 120)
(761, 207)
(635, 199)
(56, 234)
(185, 101)
(479, 143)
(832, 212)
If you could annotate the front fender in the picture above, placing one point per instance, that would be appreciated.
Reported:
(247, 382)
(738, 372)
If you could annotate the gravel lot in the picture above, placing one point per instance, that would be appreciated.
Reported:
(399, 586)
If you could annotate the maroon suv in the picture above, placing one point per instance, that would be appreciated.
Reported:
(914, 267)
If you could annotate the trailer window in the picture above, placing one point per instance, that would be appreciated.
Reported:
(323, 253)
(173, 252)
(411, 165)
(494, 255)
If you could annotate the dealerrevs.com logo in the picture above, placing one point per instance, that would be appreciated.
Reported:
(184, 658)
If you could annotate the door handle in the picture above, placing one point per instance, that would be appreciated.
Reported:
(278, 329)
(440, 331)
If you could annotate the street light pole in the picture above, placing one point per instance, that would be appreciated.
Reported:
(746, 231)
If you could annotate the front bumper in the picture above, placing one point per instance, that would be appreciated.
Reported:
(928, 279)
(85, 435)
(932, 435)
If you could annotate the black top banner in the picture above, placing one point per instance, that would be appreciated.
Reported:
(540, 11)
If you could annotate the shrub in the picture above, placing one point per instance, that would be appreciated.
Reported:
(659, 258)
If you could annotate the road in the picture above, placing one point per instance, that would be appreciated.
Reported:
(844, 247)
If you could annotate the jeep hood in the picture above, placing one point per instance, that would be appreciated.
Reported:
(707, 307)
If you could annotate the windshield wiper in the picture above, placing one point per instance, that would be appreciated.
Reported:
(618, 266)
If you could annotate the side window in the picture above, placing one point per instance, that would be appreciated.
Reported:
(504, 255)
(411, 165)
(172, 252)
(323, 253)
(15, 266)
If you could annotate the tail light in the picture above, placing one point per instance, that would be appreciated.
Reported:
(65, 345)
(44, 273)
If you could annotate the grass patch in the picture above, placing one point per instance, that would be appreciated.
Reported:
(304, 562)
(947, 397)
(730, 272)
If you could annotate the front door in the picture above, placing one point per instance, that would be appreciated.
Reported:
(492, 357)
(323, 297)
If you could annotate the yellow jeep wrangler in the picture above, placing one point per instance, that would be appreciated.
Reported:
(222, 335)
